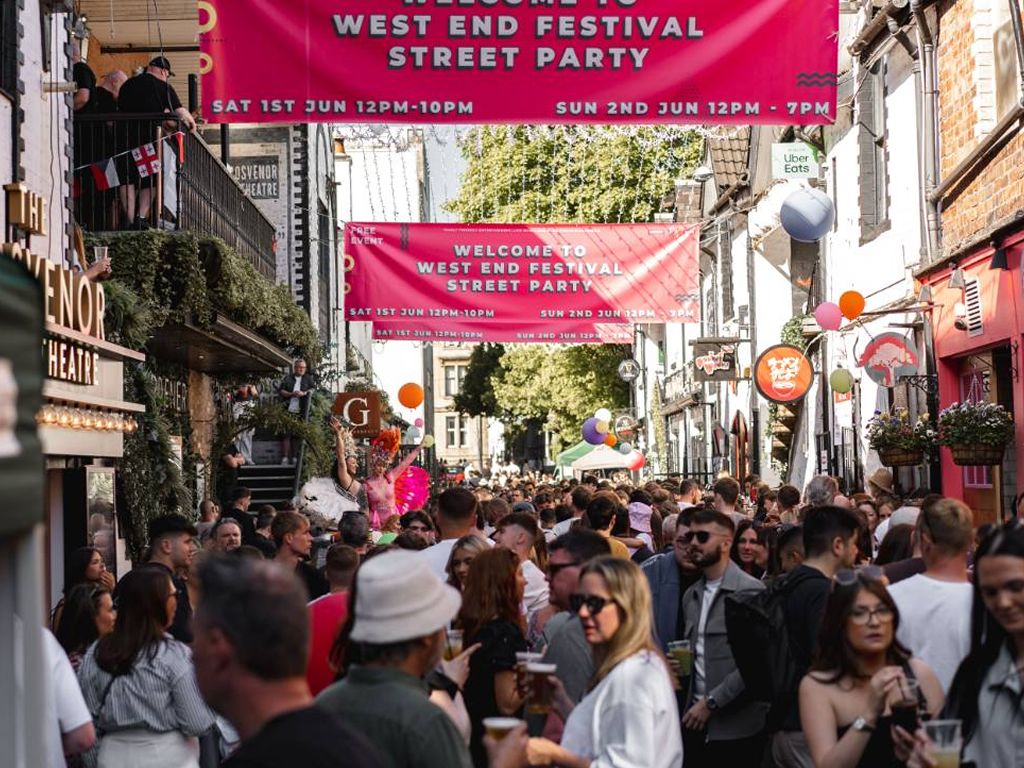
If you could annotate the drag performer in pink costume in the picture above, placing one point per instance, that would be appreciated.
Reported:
(380, 486)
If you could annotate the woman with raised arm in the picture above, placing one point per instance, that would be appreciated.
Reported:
(381, 484)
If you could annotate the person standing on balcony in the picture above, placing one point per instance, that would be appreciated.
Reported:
(294, 390)
(147, 93)
(245, 401)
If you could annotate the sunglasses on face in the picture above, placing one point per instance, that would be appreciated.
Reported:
(849, 576)
(702, 537)
(594, 603)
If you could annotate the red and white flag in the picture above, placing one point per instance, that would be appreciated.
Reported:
(104, 174)
(146, 160)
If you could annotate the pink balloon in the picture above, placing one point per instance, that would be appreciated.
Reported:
(418, 423)
(829, 316)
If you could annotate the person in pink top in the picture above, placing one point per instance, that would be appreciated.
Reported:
(380, 485)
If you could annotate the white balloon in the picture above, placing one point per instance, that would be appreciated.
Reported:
(603, 414)
(625, 449)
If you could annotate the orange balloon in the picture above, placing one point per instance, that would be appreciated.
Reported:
(410, 395)
(851, 304)
(610, 440)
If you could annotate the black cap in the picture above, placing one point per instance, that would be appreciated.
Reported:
(162, 63)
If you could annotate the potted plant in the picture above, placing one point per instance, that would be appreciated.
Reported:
(976, 433)
(899, 442)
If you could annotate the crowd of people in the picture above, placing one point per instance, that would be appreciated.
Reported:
(571, 623)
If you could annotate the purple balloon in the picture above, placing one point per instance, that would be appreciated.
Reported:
(590, 433)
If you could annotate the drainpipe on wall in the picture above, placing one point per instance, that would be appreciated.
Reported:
(928, 130)
(755, 411)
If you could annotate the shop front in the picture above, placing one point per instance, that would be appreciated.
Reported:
(84, 414)
(978, 329)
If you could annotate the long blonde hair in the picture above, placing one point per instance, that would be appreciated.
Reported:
(630, 592)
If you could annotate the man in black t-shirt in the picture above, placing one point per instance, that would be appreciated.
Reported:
(250, 652)
(147, 93)
(170, 550)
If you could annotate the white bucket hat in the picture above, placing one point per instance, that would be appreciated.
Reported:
(399, 598)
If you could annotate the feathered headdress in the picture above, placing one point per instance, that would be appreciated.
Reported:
(384, 447)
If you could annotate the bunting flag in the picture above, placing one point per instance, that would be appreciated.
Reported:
(146, 160)
(104, 174)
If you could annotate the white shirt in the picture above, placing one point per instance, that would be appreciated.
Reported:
(295, 402)
(630, 720)
(564, 527)
(710, 589)
(65, 705)
(935, 622)
(535, 595)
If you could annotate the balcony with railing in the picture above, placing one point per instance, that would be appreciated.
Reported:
(147, 172)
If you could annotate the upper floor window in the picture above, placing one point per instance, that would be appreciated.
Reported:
(453, 376)
(873, 154)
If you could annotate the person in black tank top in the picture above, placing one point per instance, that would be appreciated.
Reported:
(860, 676)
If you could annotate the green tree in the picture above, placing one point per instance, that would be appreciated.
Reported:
(572, 173)
(560, 386)
(476, 395)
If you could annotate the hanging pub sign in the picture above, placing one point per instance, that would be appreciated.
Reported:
(888, 357)
(783, 374)
(519, 61)
(359, 411)
(715, 360)
(558, 276)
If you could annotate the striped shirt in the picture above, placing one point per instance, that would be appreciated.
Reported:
(158, 694)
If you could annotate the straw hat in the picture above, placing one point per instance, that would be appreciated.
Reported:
(881, 480)
(399, 598)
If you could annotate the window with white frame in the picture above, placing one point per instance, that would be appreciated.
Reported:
(453, 376)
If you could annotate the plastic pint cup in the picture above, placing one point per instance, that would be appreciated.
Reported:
(682, 654)
(453, 644)
(522, 659)
(946, 740)
(538, 687)
(500, 727)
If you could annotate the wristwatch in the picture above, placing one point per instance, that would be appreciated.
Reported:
(862, 725)
(711, 703)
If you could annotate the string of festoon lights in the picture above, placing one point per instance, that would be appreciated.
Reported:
(85, 418)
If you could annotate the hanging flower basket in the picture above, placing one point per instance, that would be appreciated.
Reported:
(899, 457)
(976, 433)
(977, 455)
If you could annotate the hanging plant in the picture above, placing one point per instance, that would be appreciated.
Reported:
(976, 433)
(898, 440)
(793, 333)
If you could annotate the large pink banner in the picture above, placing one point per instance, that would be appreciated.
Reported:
(509, 274)
(519, 61)
(555, 332)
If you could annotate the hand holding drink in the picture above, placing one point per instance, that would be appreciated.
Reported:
(522, 659)
(453, 644)
(946, 741)
(682, 654)
(538, 688)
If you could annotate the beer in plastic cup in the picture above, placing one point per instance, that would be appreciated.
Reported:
(682, 653)
(453, 644)
(522, 659)
(946, 742)
(538, 688)
(500, 727)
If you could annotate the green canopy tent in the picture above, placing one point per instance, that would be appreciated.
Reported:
(569, 455)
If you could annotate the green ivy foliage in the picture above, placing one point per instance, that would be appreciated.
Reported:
(178, 276)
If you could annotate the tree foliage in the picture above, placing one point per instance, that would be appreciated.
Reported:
(476, 395)
(588, 174)
(560, 386)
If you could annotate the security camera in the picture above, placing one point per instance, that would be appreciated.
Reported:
(703, 174)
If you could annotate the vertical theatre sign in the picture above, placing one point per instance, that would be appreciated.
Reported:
(513, 61)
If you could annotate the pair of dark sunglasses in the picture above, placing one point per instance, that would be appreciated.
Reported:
(594, 603)
(702, 537)
(554, 568)
(850, 576)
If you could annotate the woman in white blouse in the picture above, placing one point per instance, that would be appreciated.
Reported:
(139, 683)
(629, 717)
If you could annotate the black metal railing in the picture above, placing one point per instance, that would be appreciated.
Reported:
(147, 171)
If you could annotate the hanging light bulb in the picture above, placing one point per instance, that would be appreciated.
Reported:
(75, 421)
(88, 419)
(64, 417)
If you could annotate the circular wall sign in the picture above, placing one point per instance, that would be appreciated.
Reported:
(783, 374)
(629, 370)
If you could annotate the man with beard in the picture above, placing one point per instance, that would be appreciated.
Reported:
(721, 726)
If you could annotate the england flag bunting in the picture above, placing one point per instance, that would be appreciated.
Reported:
(146, 160)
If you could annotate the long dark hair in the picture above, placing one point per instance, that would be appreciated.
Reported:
(77, 630)
(834, 654)
(490, 591)
(141, 601)
(988, 638)
(78, 562)
(745, 525)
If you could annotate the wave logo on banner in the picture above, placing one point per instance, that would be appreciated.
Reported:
(508, 61)
(542, 278)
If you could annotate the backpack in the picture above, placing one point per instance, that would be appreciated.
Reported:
(759, 640)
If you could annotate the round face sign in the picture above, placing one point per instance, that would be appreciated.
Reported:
(629, 370)
(888, 357)
(783, 374)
